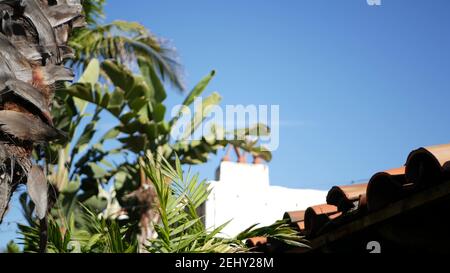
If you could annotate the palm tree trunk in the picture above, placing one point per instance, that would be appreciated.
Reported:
(33, 49)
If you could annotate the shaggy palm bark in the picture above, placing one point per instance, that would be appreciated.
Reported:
(33, 48)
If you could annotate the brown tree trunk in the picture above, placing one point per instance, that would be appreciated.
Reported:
(33, 49)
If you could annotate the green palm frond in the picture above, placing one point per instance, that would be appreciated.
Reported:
(96, 235)
(280, 230)
(60, 237)
(93, 10)
(181, 230)
(107, 236)
(128, 42)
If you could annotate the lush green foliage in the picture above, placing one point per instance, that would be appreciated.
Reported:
(97, 235)
(135, 105)
(128, 43)
(101, 174)
(280, 231)
(179, 228)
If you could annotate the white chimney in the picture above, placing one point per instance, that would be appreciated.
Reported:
(243, 195)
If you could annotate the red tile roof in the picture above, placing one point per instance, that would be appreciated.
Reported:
(352, 208)
(385, 188)
(295, 216)
(344, 197)
(317, 216)
(256, 242)
(428, 165)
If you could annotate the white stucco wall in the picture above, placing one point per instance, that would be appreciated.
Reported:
(243, 194)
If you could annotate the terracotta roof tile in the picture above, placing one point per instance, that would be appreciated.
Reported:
(301, 226)
(397, 171)
(296, 219)
(428, 166)
(256, 242)
(362, 202)
(295, 216)
(384, 188)
(344, 197)
(424, 179)
(317, 217)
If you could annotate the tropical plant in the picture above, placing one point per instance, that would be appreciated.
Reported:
(97, 235)
(281, 231)
(82, 170)
(179, 229)
(33, 48)
(126, 42)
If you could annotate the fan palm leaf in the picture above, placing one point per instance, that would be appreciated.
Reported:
(128, 42)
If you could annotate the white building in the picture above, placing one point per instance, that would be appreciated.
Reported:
(244, 195)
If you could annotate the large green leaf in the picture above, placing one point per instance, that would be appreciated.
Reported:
(159, 111)
(119, 75)
(207, 104)
(152, 79)
(259, 129)
(116, 102)
(136, 144)
(195, 93)
(91, 73)
(139, 89)
(90, 76)
(198, 89)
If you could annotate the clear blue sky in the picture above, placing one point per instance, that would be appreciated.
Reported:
(358, 86)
